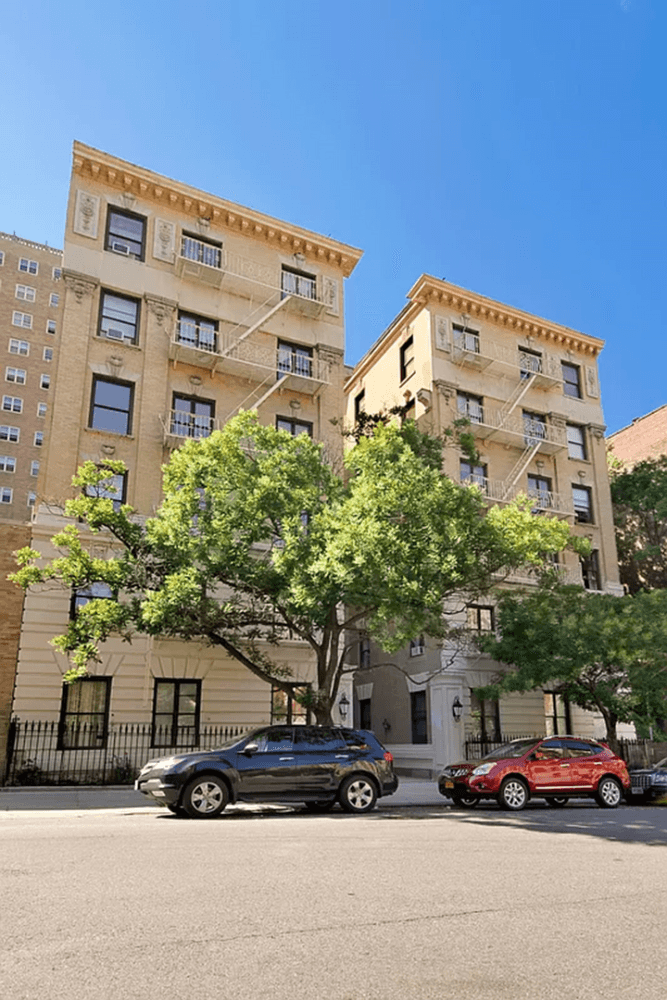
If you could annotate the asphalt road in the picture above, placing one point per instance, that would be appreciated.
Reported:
(411, 903)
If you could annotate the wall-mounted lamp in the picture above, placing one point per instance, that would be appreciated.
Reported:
(343, 705)
(457, 709)
(386, 725)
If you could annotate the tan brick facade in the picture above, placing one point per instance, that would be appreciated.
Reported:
(645, 437)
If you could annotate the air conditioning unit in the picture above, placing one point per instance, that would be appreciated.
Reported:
(416, 650)
(114, 334)
(120, 248)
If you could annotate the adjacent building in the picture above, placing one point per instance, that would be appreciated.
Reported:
(644, 438)
(530, 391)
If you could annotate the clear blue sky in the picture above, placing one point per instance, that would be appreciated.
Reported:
(515, 147)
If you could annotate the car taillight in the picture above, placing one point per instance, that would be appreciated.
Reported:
(388, 757)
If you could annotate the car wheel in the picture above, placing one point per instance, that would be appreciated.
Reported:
(609, 793)
(205, 797)
(358, 795)
(513, 794)
(320, 807)
(557, 801)
(462, 801)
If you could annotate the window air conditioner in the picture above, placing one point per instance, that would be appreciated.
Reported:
(114, 334)
(120, 248)
(416, 650)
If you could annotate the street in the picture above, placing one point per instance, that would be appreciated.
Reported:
(422, 902)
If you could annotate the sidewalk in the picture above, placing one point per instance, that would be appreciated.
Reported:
(411, 792)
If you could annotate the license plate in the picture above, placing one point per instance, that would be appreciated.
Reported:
(449, 784)
(636, 789)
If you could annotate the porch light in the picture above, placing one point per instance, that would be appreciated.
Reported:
(457, 709)
(343, 705)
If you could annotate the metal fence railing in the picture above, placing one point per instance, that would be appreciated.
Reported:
(477, 745)
(36, 754)
(639, 753)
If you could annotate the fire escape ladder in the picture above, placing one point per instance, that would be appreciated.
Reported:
(514, 398)
(256, 326)
(253, 399)
(520, 467)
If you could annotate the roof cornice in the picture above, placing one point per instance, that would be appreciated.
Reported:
(128, 178)
(429, 291)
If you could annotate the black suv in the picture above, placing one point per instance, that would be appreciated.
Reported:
(316, 765)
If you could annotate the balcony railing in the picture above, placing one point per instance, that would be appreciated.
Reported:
(190, 334)
(499, 491)
(181, 426)
(487, 423)
(203, 253)
(470, 350)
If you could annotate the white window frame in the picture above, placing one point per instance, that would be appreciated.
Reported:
(38, 439)
(16, 375)
(54, 300)
(19, 347)
(2, 258)
(25, 292)
(41, 409)
(12, 408)
(47, 354)
(34, 467)
(27, 266)
(576, 444)
(6, 494)
(57, 273)
(51, 327)
(32, 498)
(22, 319)
(44, 381)
(10, 433)
(8, 463)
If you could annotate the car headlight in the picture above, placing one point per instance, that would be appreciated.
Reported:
(483, 769)
(660, 779)
(163, 764)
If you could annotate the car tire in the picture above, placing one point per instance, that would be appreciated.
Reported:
(321, 806)
(205, 797)
(609, 793)
(462, 801)
(557, 801)
(513, 794)
(358, 794)
(176, 810)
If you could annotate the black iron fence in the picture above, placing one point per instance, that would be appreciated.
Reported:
(37, 754)
(639, 753)
(477, 745)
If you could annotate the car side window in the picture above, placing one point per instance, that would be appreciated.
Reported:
(550, 750)
(272, 740)
(577, 748)
(322, 738)
(353, 739)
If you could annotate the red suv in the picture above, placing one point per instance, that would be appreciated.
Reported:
(555, 768)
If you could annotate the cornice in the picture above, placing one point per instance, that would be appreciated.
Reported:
(429, 291)
(127, 178)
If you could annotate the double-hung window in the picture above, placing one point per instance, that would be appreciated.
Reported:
(21, 347)
(17, 375)
(119, 318)
(176, 709)
(294, 427)
(480, 618)
(84, 714)
(294, 359)
(472, 475)
(114, 488)
(204, 252)
(571, 380)
(197, 331)
(111, 405)
(8, 433)
(6, 494)
(25, 292)
(534, 428)
(471, 407)
(191, 416)
(486, 713)
(583, 504)
(45, 381)
(406, 359)
(91, 591)
(12, 404)
(576, 442)
(530, 362)
(465, 339)
(418, 717)
(22, 319)
(539, 489)
(556, 714)
(300, 283)
(27, 266)
(34, 468)
(7, 463)
(590, 570)
(126, 233)
(54, 299)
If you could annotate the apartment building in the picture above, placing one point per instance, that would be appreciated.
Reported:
(180, 309)
(645, 438)
(30, 316)
(530, 390)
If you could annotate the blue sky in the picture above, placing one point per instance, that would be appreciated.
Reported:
(515, 147)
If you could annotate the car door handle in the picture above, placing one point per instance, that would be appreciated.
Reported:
(286, 758)
(342, 756)
(565, 765)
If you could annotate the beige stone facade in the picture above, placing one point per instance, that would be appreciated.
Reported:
(645, 437)
(531, 392)
(180, 309)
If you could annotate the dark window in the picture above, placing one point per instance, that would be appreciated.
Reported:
(364, 652)
(580, 748)
(466, 340)
(534, 428)
(275, 740)
(293, 282)
(407, 359)
(84, 713)
(197, 331)
(294, 427)
(417, 646)
(287, 707)
(191, 416)
(486, 713)
(590, 570)
(111, 405)
(176, 708)
(576, 441)
(294, 359)
(480, 618)
(470, 406)
(583, 504)
(365, 713)
(113, 488)
(418, 717)
(126, 233)
(322, 738)
(119, 318)
(92, 591)
(556, 714)
(571, 380)
(530, 362)
(539, 489)
(203, 251)
(475, 475)
(359, 404)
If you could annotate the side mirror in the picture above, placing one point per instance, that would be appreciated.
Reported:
(250, 748)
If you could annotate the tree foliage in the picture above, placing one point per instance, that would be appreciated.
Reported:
(639, 496)
(604, 653)
(256, 534)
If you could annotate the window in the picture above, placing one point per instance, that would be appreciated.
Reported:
(50, 326)
(295, 359)
(32, 498)
(480, 618)
(359, 404)
(556, 714)
(583, 504)
(111, 405)
(486, 714)
(8, 433)
(197, 331)
(534, 428)
(34, 468)
(288, 706)
(293, 282)
(84, 713)
(2, 258)
(19, 347)
(25, 292)
(54, 299)
(203, 251)
(309, 739)
(22, 319)
(365, 713)
(57, 273)
(7, 463)
(126, 233)
(576, 442)
(539, 489)
(6, 495)
(28, 266)
(17, 375)
(406, 359)
(192, 417)
(571, 381)
(475, 475)
(470, 406)
(418, 719)
(364, 652)
(530, 362)
(466, 340)
(44, 381)
(417, 646)
(92, 591)
(38, 439)
(114, 488)
(176, 708)
(47, 354)
(294, 427)
(119, 318)
(41, 409)
(590, 570)
(12, 404)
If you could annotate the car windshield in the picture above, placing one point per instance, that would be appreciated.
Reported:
(515, 749)
(236, 740)
(661, 763)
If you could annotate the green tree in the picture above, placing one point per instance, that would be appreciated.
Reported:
(604, 653)
(639, 497)
(256, 533)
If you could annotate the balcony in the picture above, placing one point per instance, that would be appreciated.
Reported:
(543, 370)
(179, 426)
(502, 491)
(515, 430)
